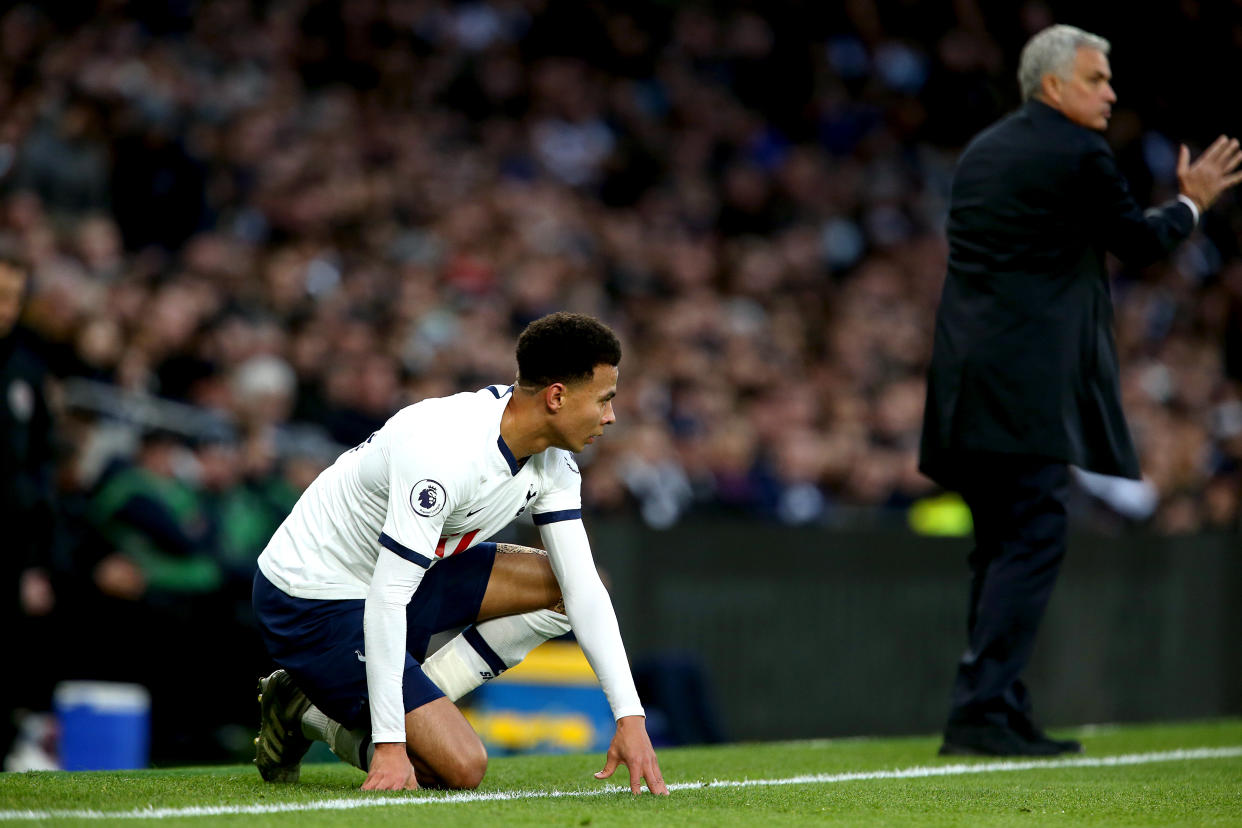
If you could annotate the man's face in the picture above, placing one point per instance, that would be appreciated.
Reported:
(1086, 97)
(587, 408)
(12, 284)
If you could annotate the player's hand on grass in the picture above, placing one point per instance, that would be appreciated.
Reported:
(632, 747)
(390, 769)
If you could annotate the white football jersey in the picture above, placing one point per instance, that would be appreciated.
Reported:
(434, 481)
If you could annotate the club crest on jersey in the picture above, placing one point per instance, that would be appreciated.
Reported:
(427, 498)
(530, 495)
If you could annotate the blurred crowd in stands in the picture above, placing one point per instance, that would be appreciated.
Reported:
(257, 229)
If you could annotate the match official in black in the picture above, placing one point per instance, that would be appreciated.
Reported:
(1024, 377)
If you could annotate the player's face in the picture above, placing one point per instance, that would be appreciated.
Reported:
(1086, 96)
(588, 408)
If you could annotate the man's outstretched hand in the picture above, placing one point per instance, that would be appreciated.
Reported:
(632, 747)
(1212, 173)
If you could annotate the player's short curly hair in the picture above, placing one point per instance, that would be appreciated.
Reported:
(564, 347)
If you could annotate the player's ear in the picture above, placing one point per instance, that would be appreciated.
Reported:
(554, 396)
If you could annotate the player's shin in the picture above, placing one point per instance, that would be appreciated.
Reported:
(487, 649)
(352, 746)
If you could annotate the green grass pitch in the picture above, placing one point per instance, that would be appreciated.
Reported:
(1158, 775)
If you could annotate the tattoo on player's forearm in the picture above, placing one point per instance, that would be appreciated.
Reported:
(513, 548)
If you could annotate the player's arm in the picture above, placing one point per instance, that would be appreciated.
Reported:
(396, 577)
(420, 496)
(594, 622)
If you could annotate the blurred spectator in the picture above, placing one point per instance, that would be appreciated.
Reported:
(369, 196)
(155, 523)
(64, 157)
(654, 478)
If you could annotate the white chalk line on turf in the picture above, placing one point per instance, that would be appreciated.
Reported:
(918, 772)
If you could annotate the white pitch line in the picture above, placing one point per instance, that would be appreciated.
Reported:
(918, 772)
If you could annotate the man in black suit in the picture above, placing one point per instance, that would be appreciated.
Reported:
(1024, 376)
(26, 502)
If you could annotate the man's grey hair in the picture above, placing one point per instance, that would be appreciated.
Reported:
(1052, 52)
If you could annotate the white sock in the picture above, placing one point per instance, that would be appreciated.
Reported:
(485, 650)
(352, 746)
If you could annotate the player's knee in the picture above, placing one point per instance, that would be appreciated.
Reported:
(467, 769)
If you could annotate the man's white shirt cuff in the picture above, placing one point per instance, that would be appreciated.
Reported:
(1189, 202)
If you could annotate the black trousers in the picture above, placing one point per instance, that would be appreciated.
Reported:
(1018, 504)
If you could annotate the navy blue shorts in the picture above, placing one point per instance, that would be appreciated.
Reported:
(320, 642)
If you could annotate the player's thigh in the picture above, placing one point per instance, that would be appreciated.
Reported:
(442, 742)
(320, 643)
(521, 581)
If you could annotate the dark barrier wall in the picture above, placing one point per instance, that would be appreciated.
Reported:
(810, 632)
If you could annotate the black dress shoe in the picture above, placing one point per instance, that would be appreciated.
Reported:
(992, 740)
(1028, 730)
(1060, 745)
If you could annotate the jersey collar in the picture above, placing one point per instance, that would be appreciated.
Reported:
(515, 465)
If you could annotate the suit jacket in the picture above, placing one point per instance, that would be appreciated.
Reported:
(1024, 360)
(25, 466)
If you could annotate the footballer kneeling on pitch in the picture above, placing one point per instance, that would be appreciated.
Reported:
(385, 549)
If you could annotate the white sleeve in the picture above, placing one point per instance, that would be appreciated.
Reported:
(591, 614)
(1194, 208)
(421, 493)
(383, 632)
(560, 496)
